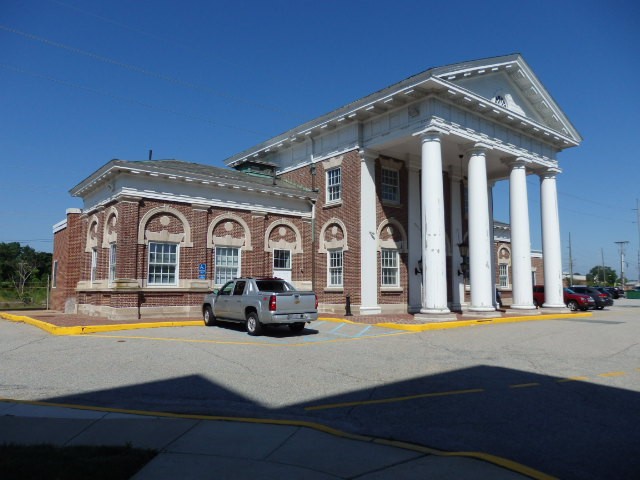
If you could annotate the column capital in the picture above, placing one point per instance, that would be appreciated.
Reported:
(551, 172)
(432, 132)
(478, 148)
(367, 155)
(516, 161)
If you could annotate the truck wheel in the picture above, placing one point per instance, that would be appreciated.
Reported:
(296, 327)
(209, 317)
(573, 305)
(254, 327)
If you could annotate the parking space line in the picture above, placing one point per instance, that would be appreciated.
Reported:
(525, 385)
(393, 399)
(612, 374)
(363, 331)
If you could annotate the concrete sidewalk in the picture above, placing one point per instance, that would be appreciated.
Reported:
(196, 447)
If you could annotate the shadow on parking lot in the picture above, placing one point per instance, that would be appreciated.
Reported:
(275, 331)
(563, 427)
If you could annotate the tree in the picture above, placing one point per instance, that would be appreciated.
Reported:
(600, 275)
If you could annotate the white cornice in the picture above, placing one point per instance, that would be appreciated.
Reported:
(438, 82)
(129, 193)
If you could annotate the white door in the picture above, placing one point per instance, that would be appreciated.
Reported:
(282, 264)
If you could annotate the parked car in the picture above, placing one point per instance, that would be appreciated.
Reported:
(260, 301)
(602, 299)
(575, 301)
(614, 292)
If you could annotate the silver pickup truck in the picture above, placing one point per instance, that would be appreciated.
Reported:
(260, 301)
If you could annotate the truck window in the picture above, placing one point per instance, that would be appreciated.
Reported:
(274, 286)
(227, 289)
(239, 288)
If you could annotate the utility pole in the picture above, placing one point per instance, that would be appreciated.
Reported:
(622, 244)
(604, 280)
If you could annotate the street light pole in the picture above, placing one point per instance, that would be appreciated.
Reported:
(622, 244)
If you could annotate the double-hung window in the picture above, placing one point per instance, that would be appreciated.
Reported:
(282, 259)
(227, 264)
(334, 185)
(163, 263)
(334, 276)
(94, 264)
(112, 262)
(390, 182)
(389, 268)
(504, 275)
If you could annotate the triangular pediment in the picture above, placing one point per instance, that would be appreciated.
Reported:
(509, 83)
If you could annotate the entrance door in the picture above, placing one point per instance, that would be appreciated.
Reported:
(282, 264)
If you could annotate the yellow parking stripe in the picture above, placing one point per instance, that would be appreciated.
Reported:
(572, 379)
(612, 374)
(525, 385)
(393, 399)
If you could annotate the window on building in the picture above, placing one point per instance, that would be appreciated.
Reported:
(94, 264)
(227, 264)
(390, 182)
(390, 269)
(334, 185)
(163, 263)
(54, 274)
(282, 259)
(334, 268)
(112, 262)
(504, 275)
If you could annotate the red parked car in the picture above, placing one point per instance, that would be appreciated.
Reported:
(575, 301)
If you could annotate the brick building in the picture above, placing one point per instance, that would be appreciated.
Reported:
(386, 201)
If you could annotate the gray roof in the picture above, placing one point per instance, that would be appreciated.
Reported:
(192, 171)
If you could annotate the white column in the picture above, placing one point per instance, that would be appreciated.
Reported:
(520, 237)
(368, 241)
(480, 234)
(434, 250)
(415, 245)
(551, 245)
(457, 280)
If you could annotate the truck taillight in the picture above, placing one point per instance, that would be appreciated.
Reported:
(272, 303)
(316, 302)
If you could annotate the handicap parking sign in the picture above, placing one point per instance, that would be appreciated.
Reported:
(202, 271)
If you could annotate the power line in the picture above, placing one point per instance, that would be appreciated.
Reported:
(127, 100)
(143, 71)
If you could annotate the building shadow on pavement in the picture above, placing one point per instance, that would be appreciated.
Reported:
(568, 428)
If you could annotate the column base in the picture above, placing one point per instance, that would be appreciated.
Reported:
(523, 310)
(374, 310)
(483, 312)
(554, 309)
(433, 316)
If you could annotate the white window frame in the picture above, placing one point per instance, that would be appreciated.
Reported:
(334, 185)
(335, 270)
(113, 260)
(287, 260)
(503, 277)
(218, 268)
(390, 185)
(94, 264)
(161, 263)
(389, 270)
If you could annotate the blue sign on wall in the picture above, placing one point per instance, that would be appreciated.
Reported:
(202, 271)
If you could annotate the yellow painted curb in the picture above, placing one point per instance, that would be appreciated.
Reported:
(423, 327)
(486, 457)
(80, 330)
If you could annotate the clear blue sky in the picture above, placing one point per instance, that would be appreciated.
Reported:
(83, 82)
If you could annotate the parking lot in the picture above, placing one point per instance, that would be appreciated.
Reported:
(318, 332)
